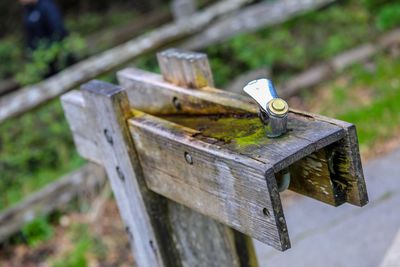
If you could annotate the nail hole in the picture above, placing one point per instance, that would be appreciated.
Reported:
(266, 212)
(120, 174)
(176, 103)
(188, 158)
(108, 136)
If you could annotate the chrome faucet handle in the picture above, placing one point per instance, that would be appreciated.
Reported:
(273, 110)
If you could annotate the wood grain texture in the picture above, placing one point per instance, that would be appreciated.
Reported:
(185, 68)
(346, 165)
(218, 183)
(198, 233)
(311, 132)
(143, 86)
(312, 176)
(148, 217)
(107, 108)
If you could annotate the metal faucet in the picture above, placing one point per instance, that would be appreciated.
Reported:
(273, 110)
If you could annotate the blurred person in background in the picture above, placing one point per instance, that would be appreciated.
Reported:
(43, 23)
(44, 26)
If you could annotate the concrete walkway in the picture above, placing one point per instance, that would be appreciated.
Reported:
(347, 236)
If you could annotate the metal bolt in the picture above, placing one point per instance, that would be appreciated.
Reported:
(108, 137)
(176, 103)
(188, 158)
(278, 106)
(273, 110)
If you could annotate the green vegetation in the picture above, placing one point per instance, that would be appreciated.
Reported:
(83, 244)
(388, 17)
(367, 98)
(57, 56)
(295, 45)
(36, 148)
(37, 231)
(92, 22)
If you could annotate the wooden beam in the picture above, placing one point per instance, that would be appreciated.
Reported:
(143, 86)
(252, 18)
(146, 214)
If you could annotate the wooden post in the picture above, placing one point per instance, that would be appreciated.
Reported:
(162, 232)
(180, 154)
(183, 9)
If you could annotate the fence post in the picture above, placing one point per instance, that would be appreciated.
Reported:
(161, 232)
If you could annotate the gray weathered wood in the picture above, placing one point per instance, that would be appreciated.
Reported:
(323, 71)
(184, 68)
(193, 70)
(145, 213)
(356, 192)
(107, 108)
(183, 9)
(252, 18)
(231, 188)
(51, 197)
(143, 86)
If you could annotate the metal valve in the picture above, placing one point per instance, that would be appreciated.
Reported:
(273, 110)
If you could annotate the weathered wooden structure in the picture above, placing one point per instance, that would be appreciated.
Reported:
(192, 171)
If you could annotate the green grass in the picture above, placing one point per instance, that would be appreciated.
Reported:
(369, 99)
(35, 149)
(83, 245)
(292, 46)
(38, 231)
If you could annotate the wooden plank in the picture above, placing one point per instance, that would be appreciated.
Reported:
(312, 133)
(142, 86)
(191, 69)
(74, 108)
(252, 18)
(347, 166)
(107, 108)
(312, 176)
(54, 196)
(147, 215)
(350, 174)
(236, 190)
(183, 9)
(185, 68)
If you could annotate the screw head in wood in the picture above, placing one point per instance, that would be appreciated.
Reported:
(188, 158)
(176, 103)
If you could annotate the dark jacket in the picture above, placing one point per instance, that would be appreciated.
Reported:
(43, 24)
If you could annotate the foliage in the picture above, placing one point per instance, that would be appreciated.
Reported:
(56, 56)
(371, 104)
(373, 5)
(37, 231)
(90, 22)
(11, 56)
(292, 46)
(84, 244)
(388, 17)
(35, 149)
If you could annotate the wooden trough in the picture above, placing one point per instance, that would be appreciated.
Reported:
(183, 157)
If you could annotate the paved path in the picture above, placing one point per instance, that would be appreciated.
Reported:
(347, 236)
